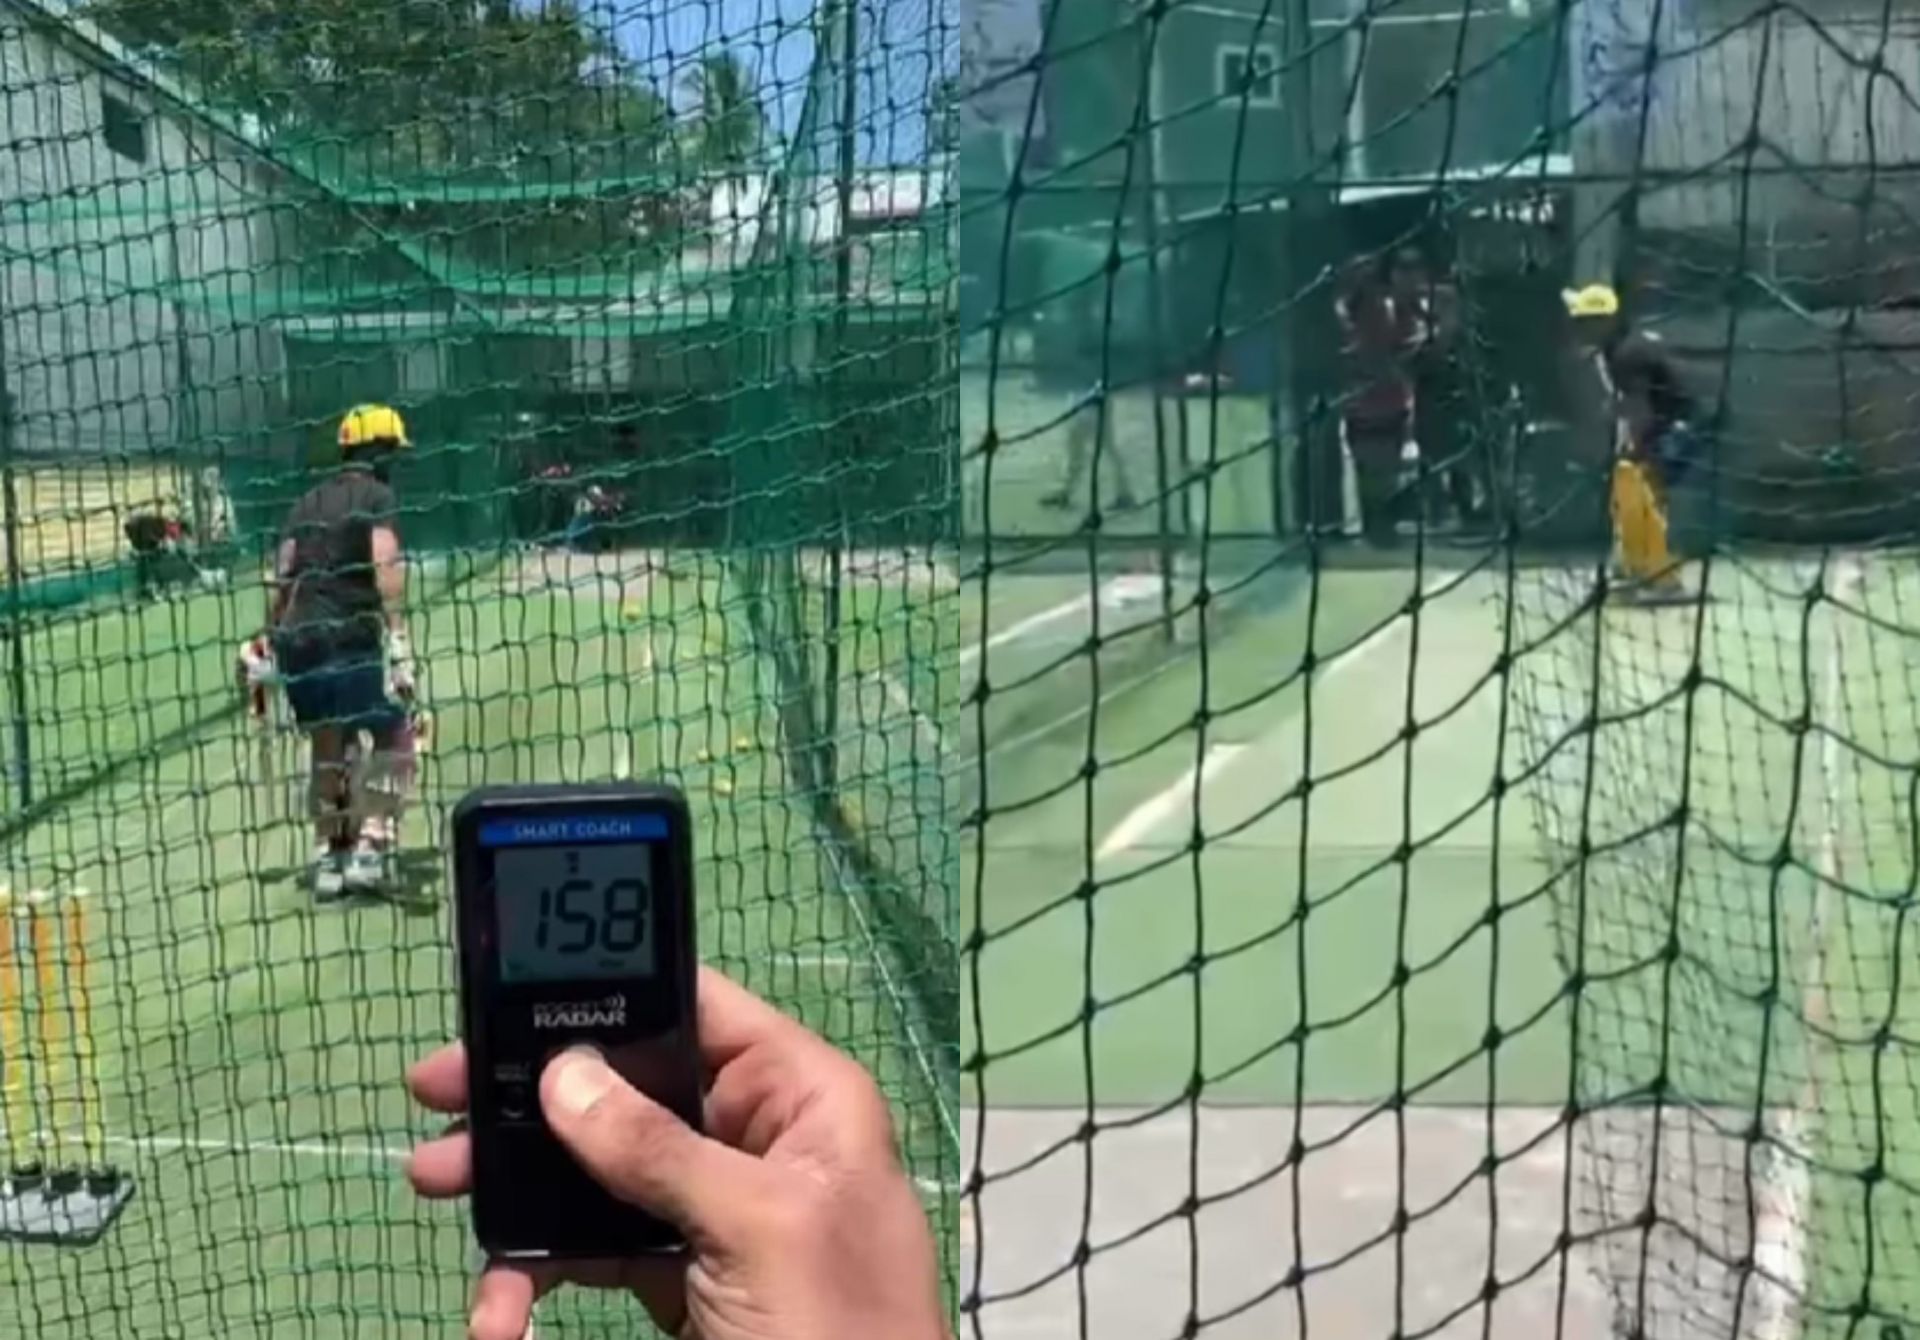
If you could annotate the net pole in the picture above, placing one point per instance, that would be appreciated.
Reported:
(1355, 38)
(1150, 231)
(1308, 212)
(16, 645)
(186, 432)
(848, 29)
(830, 665)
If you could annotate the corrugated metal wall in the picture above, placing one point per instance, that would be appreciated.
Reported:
(122, 284)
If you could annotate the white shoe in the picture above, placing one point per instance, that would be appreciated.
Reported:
(329, 875)
(366, 869)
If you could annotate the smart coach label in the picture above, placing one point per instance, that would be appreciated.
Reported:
(573, 829)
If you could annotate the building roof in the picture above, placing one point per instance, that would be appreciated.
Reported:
(692, 289)
(61, 22)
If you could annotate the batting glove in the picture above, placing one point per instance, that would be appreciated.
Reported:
(254, 666)
(400, 669)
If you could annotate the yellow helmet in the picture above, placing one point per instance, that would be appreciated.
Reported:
(1593, 300)
(368, 424)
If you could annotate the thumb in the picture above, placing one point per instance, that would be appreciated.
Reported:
(642, 1152)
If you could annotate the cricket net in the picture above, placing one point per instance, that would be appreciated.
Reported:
(662, 294)
(1384, 919)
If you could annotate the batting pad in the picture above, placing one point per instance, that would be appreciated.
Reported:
(383, 783)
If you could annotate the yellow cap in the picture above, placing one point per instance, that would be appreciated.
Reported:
(366, 424)
(1593, 300)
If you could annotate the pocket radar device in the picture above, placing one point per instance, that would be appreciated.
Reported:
(575, 924)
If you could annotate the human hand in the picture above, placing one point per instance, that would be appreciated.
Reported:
(800, 1222)
(401, 676)
(253, 665)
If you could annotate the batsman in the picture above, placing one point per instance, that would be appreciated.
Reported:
(1656, 485)
(339, 643)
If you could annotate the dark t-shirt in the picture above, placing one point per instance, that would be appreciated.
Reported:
(1641, 367)
(146, 531)
(335, 596)
(1374, 342)
(1656, 403)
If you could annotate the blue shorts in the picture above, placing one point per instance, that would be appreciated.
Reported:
(350, 693)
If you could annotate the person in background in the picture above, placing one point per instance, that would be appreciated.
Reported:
(800, 1222)
(157, 537)
(1656, 444)
(1376, 409)
(1426, 311)
(597, 511)
(1311, 372)
(1090, 407)
(216, 509)
(552, 497)
(213, 505)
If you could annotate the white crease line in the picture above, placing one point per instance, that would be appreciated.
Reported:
(1032, 623)
(174, 1144)
(1156, 809)
(1150, 813)
(1365, 647)
(1780, 1247)
(294, 1148)
(1372, 642)
(1113, 593)
(365, 1153)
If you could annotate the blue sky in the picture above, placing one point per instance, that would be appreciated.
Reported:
(900, 45)
(773, 38)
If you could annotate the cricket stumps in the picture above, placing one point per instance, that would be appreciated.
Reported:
(56, 1184)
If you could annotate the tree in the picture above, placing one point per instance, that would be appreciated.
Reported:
(446, 83)
(412, 112)
(730, 125)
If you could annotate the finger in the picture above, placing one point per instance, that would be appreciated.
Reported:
(768, 1069)
(443, 1167)
(643, 1153)
(503, 1301)
(825, 1103)
(439, 1079)
(733, 1019)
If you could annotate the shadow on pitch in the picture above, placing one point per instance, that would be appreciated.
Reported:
(415, 889)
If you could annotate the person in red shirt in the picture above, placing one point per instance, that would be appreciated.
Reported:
(555, 484)
(1427, 311)
(156, 537)
(1376, 410)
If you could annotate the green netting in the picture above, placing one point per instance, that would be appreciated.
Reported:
(1384, 917)
(696, 257)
